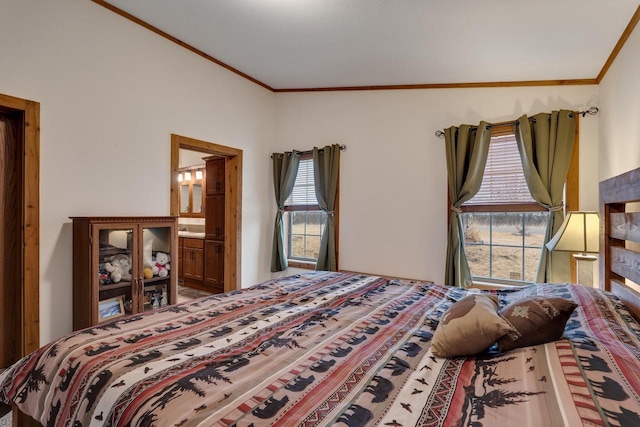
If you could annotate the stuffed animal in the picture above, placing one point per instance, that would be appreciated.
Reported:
(119, 267)
(161, 267)
(147, 260)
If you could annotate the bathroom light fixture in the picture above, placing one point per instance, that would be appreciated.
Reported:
(187, 176)
(199, 174)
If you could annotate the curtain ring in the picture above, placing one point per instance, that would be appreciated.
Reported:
(556, 208)
(332, 213)
(456, 210)
(281, 211)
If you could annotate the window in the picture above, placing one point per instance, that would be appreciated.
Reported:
(304, 220)
(504, 227)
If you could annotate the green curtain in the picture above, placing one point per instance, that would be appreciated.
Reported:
(467, 148)
(546, 145)
(285, 170)
(326, 165)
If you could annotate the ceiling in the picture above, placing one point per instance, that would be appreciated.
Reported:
(307, 44)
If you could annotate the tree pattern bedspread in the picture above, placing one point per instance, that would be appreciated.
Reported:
(331, 349)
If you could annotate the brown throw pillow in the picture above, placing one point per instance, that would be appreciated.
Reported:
(535, 320)
(468, 327)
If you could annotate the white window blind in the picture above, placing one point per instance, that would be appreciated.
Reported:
(503, 181)
(304, 189)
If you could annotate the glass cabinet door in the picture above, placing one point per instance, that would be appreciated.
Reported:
(133, 268)
(115, 261)
(156, 273)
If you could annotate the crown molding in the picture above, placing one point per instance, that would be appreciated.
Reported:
(447, 85)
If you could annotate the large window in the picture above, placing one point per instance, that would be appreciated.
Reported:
(504, 227)
(304, 221)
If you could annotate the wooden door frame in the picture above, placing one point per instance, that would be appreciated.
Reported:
(233, 200)
(30, 294)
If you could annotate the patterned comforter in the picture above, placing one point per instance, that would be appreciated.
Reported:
(330, 349)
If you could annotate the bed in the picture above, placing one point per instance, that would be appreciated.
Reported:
(345, 349)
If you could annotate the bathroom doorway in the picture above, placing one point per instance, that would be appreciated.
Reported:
(232, 200)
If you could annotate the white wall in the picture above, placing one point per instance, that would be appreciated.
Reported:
(620, 113)
(393, 212)
(111, 93)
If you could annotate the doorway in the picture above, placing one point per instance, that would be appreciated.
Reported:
(232, 200)
(19, 228)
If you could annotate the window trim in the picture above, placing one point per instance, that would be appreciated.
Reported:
(572, 189)
(308, 265)
(301, 208)
(507, 207)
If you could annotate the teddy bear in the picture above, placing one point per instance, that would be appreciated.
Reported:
(161, 267)
(119, 267)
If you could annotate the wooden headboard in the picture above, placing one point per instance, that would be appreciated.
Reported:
(620, 238)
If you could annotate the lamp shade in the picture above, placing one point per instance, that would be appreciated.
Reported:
(580, 232)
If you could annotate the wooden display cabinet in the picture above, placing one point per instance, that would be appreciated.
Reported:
(100, 294)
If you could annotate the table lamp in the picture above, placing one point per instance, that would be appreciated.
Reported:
(579, 233)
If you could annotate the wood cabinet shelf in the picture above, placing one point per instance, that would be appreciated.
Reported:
(119, 285)
(153, 280)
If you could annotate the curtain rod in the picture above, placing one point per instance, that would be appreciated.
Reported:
(342, 148)
(591, 111)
